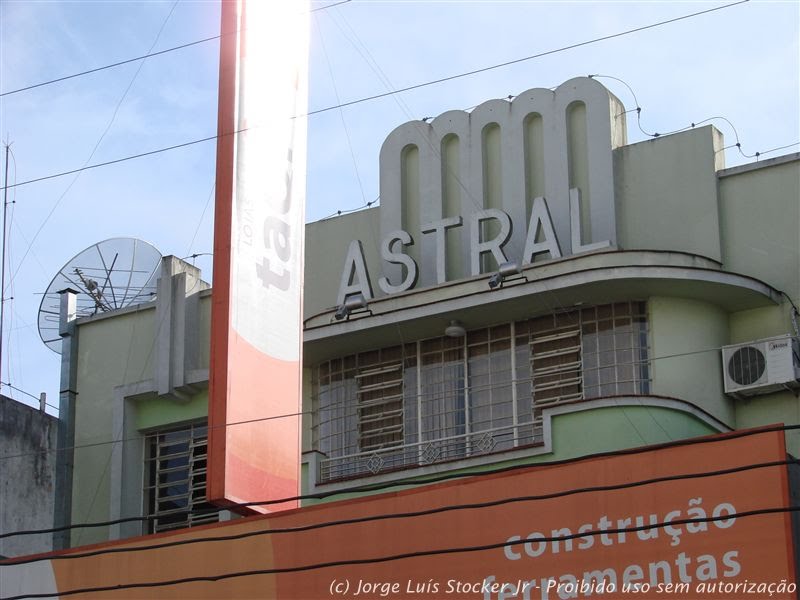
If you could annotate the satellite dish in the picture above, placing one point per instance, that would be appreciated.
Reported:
(108, 275)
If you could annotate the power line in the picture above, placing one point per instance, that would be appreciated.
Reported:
(531, 57)
(131, 439)
(110, 123)
(111, 66)
(202, 216)
(123, 159)
(313, 10)
(445, 395)
(415, 554)
(341, 112)
(441, 477)
(638, 110)
(419, 513)
(759, 154)
(138, 58)
(346, 211)
(397, 91)
(37, 398)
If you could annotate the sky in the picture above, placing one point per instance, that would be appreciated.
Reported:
(739, 67)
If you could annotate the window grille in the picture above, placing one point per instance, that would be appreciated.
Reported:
(490, 389)
(446, 398)
(175, 468)
(380, 407)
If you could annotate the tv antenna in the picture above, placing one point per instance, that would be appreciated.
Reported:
(108, 275)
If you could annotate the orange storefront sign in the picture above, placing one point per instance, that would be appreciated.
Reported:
(687, 534)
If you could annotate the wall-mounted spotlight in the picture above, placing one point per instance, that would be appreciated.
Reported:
(508, 271)
(455, 329)
(353, 303)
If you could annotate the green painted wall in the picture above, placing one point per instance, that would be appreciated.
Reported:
(592, 431)
(760, 323)
(666, 190)
(326, 248)
(114, 351)
(117, 351)
(685, 341)
(158, 412)
(599, 430)
(781, 407)
(760, 218)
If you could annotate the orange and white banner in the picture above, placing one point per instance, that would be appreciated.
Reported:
(256, 320)
(685, 521)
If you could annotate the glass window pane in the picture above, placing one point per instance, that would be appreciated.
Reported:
(176, 478)
(423, 401)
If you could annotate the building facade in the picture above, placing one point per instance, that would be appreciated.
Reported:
(27, 485)
(532, 289)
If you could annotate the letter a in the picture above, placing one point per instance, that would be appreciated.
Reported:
(355, 278)
(540, 220)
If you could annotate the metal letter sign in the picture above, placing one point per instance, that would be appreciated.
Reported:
(256, 317)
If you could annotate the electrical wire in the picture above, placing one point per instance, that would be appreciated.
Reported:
(657, 134)
(341, 112)
(358, 44)
(757, 155)
(454, 393)
(341, 212)
(365, 54)
(531, 57)
(327, 6)
(37, 398)
(112, 65)
(110, 123)
(638, 111)
(123, 159)
(438, 478)
(202, 216)
(392, 92)
(415, 514)
(142, 57)
(415, 554)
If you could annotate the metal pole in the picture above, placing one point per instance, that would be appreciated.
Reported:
(3, 268)
(65, 457)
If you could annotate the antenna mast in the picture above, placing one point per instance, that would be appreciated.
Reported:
(3, 268)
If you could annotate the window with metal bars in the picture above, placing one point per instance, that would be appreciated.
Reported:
(380, 407)
(175, 489)
(445, 398)
(586, 353)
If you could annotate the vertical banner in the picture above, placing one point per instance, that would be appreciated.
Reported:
(256, 318)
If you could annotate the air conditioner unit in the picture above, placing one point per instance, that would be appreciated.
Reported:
(762, 366)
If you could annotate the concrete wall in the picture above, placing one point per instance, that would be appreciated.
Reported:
(118, 399)
(760, 221)
(27, 476)
(666, 192)
(685, 338)
(112, 352)
(326, 248)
